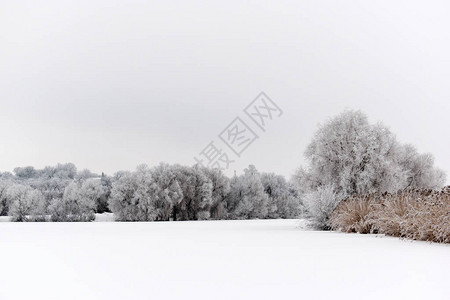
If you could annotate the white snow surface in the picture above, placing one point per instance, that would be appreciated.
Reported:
(263, 259)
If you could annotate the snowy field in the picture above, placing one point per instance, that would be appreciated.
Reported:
(270, 259)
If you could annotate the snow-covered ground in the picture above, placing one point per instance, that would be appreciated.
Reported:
(270, 259)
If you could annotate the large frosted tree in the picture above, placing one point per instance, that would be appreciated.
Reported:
(353, 156)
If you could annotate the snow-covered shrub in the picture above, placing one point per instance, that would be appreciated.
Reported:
(320, 203)
(26, 203)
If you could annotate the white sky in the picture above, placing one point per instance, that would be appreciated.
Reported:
(111, 84)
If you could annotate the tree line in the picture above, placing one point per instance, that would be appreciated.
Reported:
(347, 156)
(162, 193)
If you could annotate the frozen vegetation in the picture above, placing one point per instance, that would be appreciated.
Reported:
(347, 157)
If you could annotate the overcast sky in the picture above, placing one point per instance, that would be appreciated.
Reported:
(108, 85)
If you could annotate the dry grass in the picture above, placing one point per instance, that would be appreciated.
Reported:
(353, 214)
(414, 214)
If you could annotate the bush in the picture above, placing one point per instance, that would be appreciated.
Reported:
(411, 213)
(320, 204)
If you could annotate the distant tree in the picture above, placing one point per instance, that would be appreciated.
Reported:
(102, 201)
(78, 203)
(234, 197)
(85, 174)
(52, 188)
(294, 207)
(66, 171)
(197, 193)
(275, 187)
(50, 181)
(4, 199)
(101, 204)
(27, 204)
(25, 172)
(123, 197)
(420, 170)
(6, 176)
(282, 201)
(169, 192)
(146, 194)
(220, 189)
(247, 199)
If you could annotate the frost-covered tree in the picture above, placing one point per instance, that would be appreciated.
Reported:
(247, 199)
(197, 193)
(220, 190)
(353, 156)
(154, 200)
(169, 192)
(123, 197)
(420, 169)
(101, 205)
(146, 194)
(4, 200)
(50, 181)
(102, 201)
(26, 203)
(85, 174)
(234, 197)
(282, 199)
(78, 203)
(6, 176)
(295, 206)
(25, 172)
